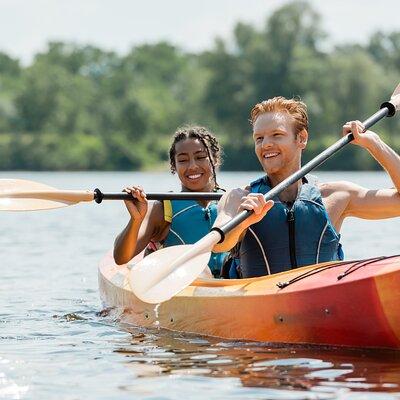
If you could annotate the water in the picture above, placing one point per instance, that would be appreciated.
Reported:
(55, 343)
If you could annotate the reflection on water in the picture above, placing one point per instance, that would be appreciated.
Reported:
(55, 342)
(287, 371)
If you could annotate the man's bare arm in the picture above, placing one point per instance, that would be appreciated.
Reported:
(373, 204)
(366, 203)
(346, 199)
(387, 158)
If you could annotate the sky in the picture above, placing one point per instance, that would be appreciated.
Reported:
(27, 25)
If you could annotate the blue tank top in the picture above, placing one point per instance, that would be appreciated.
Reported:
(290, 235)
(189, 222)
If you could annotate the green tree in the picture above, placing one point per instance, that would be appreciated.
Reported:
(80, 107)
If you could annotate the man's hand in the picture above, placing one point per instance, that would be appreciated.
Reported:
(255, 202)
(362, 138)
(231, 204)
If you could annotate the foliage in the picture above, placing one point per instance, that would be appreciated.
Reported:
(79, 107)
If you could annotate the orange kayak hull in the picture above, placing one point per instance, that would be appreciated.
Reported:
(359, 310)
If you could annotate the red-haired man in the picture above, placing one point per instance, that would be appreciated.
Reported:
(302, 225)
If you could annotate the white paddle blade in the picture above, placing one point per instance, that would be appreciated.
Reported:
(164, 273)
(395, 99)
(23, 195)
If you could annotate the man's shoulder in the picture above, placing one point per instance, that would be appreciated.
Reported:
(330, 188)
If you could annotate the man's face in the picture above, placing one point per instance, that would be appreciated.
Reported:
(276, 145)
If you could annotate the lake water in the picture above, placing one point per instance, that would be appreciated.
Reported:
(55, 343)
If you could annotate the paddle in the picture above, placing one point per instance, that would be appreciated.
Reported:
(164, 273)
(23, 195)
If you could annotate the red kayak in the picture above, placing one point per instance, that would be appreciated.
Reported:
(351, 303)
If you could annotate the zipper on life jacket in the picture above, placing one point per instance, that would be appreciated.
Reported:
(292, 237)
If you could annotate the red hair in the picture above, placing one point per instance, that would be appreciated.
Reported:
(295, 108)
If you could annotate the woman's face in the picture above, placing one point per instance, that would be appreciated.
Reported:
(193, 165)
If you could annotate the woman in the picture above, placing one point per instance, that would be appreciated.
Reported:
(194, 156)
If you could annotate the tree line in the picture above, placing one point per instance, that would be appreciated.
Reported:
(78, 107)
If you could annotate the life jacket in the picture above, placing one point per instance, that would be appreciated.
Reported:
(189, 222)
(290, 235)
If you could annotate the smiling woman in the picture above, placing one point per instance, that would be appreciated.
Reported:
(194, 156)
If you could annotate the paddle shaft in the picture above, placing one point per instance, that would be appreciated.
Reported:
(99, 196)
(387, 109)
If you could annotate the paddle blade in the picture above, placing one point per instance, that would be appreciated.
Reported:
(395, 99)
(23, 195)
(164, 273)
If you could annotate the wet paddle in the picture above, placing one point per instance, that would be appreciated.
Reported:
(23, 195)
(164, 273)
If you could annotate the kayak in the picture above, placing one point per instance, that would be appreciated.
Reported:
(344, 303)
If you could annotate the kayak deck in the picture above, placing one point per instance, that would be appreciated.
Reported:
(353, 303)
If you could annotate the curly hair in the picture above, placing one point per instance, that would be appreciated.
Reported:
(209, 141)
(294, 107)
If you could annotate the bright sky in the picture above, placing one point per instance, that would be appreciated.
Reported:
(27, 25)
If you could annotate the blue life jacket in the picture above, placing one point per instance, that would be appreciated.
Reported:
(290, 235)
(189, 222)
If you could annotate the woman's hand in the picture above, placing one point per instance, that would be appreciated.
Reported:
(137, 207)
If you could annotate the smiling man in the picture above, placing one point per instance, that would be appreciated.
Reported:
(302, 225)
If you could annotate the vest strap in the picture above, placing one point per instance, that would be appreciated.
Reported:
(167, 210)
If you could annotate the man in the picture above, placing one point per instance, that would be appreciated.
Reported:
(302, 225)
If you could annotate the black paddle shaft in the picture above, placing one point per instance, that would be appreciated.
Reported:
(387, 109)
(99, 196)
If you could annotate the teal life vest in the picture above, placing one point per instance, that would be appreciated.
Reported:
(189, 222)
(290, 235)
